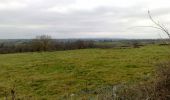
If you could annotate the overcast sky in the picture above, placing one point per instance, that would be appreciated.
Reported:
(82, 18)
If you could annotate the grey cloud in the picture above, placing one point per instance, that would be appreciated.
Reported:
(34, 20)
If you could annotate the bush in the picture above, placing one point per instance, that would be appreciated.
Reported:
(156, 89)
(43, 43)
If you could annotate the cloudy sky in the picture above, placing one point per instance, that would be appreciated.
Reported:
(82, 18)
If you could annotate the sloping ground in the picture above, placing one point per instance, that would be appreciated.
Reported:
(52, 75)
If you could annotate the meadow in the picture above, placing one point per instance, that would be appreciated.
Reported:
(53, 75)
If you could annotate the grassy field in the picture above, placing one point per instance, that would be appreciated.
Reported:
(51, 75)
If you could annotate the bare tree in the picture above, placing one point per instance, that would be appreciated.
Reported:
(42, 43)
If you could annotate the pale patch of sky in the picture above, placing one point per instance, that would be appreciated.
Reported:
(82, 18)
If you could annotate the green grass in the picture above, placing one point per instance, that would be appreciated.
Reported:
(51, 75)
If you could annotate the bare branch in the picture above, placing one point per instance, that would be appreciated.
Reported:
(148, 27)
(158, 25)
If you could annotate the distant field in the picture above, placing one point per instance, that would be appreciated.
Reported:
(51, 75)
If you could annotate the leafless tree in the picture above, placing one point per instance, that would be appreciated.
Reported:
(42, 43)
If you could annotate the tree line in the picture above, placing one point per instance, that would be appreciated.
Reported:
(44, 43)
